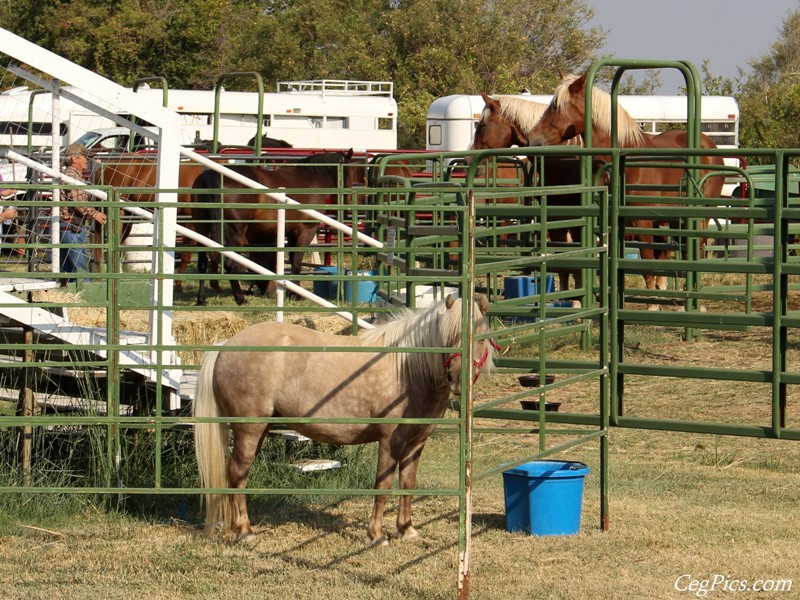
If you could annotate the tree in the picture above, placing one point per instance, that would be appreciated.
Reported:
(123, 40)
(428, 48)
(769, 100)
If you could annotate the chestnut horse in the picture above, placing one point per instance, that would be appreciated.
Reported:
(242, 226)
(138, 172)
(565, 119)
(266, 382)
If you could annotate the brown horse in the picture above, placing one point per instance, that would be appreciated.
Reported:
(138, 172)
(239, 227)
(268, 142)
(505, 122)
(266, 382)
(565, 119)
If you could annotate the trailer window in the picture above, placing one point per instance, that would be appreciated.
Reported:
(435, 135)
(37, 128)
(336, 123)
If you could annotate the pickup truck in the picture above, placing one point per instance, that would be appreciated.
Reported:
(115, 139)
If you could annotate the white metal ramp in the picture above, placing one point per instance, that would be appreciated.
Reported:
(95, 339)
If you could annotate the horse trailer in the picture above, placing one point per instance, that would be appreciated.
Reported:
(307, 114)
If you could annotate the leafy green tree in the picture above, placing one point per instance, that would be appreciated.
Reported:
(428, 48)
(769, 100)
(123, 40)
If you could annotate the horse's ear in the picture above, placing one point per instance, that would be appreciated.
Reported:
(491, 103)
(449, 301)
(483, 303)
(349, 155)
(577, 86)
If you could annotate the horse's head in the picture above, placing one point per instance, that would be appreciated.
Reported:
(564, 121)
(331, 161)
(482, 350)
(495, 129)
(564, 118)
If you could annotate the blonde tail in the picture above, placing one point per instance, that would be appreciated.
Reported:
(211, 445)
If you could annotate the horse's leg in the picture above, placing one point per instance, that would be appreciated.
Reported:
(213, 260)
(186, 258)
(238, 238)
(646, 252)
(247, 440)
(562, 236)
(408, 481)
(662, 280)
(387, 464)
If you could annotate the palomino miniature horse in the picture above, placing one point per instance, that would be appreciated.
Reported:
(505, 122)
(565, 118)
(250, 225)
(368, 384)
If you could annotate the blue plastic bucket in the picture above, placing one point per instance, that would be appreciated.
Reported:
(519, 286)
(323, 286)
(365, 290)
(544, 497)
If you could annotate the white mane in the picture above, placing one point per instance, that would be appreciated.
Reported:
(628, 131)
(524, 113)
(429, 328)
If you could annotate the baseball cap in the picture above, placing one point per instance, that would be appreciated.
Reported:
(74, 149)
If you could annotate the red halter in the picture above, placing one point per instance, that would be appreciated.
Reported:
(477, 363)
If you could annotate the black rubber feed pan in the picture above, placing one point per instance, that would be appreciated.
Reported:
(534, 405)
(534, 380)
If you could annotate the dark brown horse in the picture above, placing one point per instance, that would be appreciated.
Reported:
(265, 382)
(565, 119)
(240, 227)
(268, 142)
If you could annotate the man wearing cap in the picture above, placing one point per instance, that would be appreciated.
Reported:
(76, 220)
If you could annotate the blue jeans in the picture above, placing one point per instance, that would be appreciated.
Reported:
(74, 260)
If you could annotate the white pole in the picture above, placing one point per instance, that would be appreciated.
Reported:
(280, 265)
(55, 156)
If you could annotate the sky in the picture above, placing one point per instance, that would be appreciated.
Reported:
(729, 33)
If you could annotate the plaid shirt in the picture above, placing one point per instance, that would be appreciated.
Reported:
(75, 214)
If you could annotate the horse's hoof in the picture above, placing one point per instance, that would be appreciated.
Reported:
(381, 541)
(247, 537)
(409, 534)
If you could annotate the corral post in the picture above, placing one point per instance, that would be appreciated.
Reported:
(25, 406)
(465, 503)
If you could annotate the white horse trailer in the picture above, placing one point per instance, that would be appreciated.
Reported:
(307, 114)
